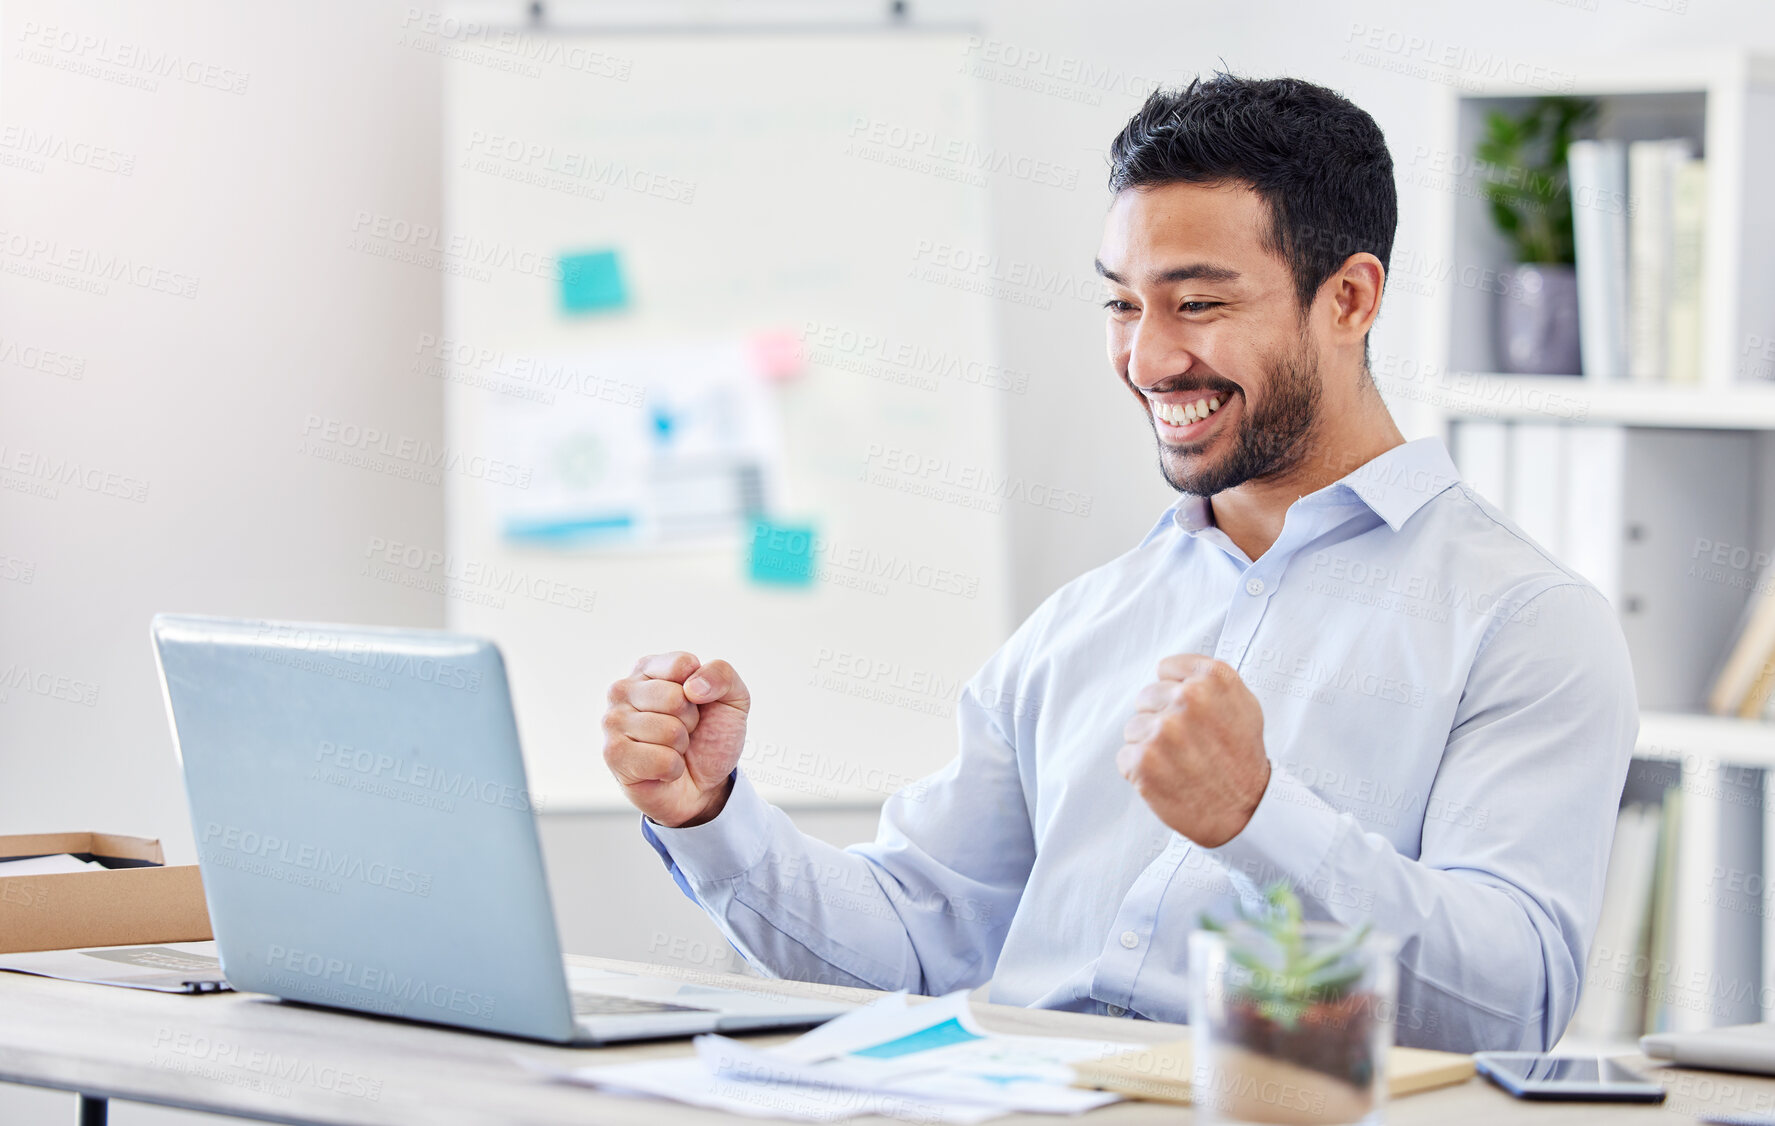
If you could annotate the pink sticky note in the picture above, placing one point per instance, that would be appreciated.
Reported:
(777, 354)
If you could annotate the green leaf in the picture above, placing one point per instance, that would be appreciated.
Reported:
(1336, 952)
(1270, 947)
(1524, 179)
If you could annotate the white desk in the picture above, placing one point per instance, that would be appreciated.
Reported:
(321, 1068)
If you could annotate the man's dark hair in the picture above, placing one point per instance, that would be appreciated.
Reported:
(1318, 161)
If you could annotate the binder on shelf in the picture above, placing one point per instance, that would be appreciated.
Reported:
(1596, 507)
(1482, 453)
(1537, 482)
(1678, 489)
(1598, 173)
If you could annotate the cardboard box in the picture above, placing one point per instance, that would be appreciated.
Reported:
(136, 902)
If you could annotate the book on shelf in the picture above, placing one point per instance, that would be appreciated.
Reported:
(1651, 174)
(1682, 317)
(1598, 176)
(1611, 1008)
(1759, 702)
(1628, 979)
(1662, 975)
(1746, 680)
(1639, 214)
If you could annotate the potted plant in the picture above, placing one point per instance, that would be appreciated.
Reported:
(1522, 162)
(1292, 1020)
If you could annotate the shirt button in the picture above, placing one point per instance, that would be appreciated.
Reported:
(1117, 1011)
(1130, 940)
(1254, 587)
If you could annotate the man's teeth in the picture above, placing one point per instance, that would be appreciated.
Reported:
(1185, 413)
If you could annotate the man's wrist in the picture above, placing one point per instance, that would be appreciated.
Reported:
(1231, 826)
(717, 803)
(1263, 787)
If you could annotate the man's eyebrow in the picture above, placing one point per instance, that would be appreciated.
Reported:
(1195, 271)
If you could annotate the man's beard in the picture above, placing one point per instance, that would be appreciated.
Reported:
(1271, 440)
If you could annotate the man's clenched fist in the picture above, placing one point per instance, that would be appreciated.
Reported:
(674, 732)
(1194, 749)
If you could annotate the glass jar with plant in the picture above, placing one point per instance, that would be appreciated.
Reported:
(1522, 166)
(1292, 1020)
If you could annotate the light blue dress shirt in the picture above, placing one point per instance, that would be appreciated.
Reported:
(1448, 710)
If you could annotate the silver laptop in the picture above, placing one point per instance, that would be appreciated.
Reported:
(367, 840)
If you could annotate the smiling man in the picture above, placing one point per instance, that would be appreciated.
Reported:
(1329, 663)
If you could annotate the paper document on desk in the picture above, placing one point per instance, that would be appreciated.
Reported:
(170, 967)
(686, 1080)
(926, 1063)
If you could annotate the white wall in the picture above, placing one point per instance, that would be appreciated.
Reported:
(255, 196)
(204, 398)
(250, 196)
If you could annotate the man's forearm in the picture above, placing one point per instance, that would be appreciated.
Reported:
(799, 908)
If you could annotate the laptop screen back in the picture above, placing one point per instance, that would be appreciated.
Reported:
(364, 829)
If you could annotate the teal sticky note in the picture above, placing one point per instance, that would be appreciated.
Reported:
(592, 282)
(781, 554)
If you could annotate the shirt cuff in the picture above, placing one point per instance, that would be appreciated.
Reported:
(1288, 837)
(731, 845)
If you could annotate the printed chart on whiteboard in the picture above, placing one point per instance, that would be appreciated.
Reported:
(693, 453)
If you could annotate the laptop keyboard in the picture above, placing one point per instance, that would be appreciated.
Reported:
(605, 1005)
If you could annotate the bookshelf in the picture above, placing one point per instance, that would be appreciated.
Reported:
(1696, 460)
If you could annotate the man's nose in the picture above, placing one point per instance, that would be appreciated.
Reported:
(1154, 356)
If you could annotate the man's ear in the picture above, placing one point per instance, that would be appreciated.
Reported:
(1356, 297)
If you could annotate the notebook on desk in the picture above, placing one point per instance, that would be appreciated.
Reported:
(1161, 1072)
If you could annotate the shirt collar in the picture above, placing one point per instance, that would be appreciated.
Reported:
(1394, 486)
(1404, 479)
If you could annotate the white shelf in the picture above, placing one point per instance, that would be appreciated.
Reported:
(1569, 398)
(1680, 736)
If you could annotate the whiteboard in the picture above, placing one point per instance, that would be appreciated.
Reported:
(828, 185)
